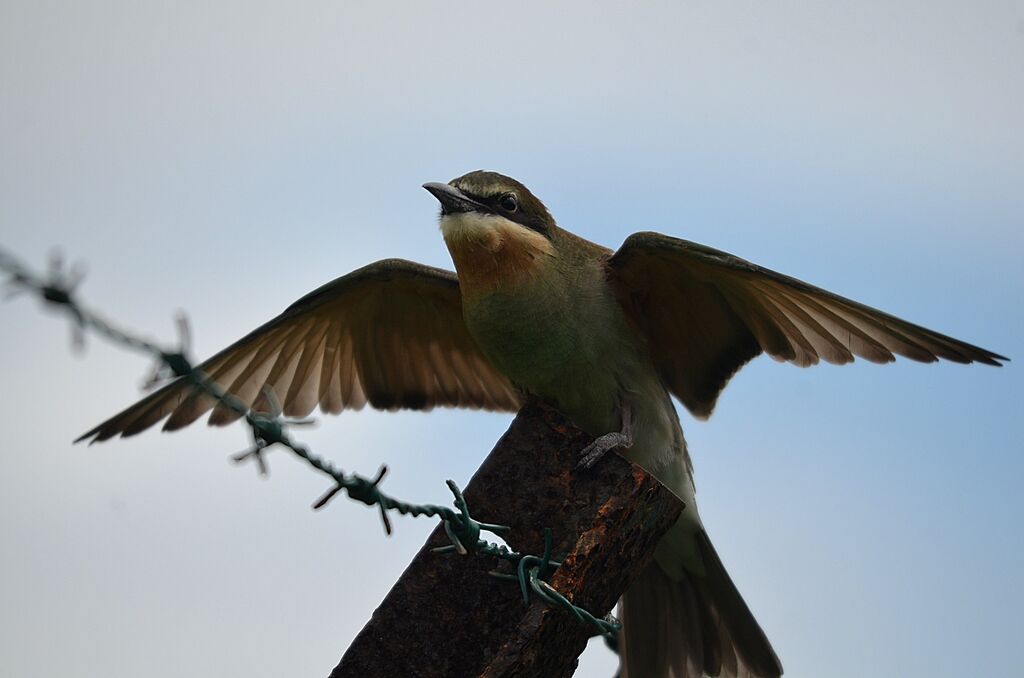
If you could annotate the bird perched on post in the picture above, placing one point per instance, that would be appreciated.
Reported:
(606, 337)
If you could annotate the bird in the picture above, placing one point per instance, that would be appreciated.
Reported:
(608, 338)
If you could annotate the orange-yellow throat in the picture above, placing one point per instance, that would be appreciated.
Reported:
(492, 252)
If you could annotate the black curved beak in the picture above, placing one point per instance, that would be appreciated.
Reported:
(453, 201)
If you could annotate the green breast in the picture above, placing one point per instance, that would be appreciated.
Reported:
(560, 335)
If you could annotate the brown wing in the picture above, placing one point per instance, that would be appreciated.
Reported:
(390, 334)
(706, 313)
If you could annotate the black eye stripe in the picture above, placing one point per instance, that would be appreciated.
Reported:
(524, 212)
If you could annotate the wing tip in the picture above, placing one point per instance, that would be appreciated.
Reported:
(99, 434)
(171, 425)
(82, 437)
(993, 359)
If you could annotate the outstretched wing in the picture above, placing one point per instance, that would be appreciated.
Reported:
(390, 334)
(706, 313)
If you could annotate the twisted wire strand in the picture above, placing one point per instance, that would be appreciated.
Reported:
(58, 289)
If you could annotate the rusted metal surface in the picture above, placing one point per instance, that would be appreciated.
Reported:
(446, 618)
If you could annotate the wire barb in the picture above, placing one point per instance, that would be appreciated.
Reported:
(270, 428)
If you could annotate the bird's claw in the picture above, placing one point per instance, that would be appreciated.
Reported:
(593, 452)
(604, 444)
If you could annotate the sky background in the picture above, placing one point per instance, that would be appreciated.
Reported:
(225, 158)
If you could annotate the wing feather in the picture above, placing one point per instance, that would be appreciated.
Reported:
(330, 379)
(705, 314)
(858, 341)
(303, 395)
(390, 333)
(824, 343)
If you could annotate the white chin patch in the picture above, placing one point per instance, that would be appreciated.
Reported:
(490, 231)
(470, 225)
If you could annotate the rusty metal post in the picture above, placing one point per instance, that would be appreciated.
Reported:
(446, 618)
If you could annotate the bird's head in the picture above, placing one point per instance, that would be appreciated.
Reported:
(496, 230)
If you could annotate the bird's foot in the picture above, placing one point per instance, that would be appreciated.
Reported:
(593, 452)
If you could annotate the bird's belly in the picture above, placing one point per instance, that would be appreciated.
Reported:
(559, 354)
(590, 371)
(584, 360)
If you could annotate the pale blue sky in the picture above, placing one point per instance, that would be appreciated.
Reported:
(226, 158)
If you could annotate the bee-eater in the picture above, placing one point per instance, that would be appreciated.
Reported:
(605, 337)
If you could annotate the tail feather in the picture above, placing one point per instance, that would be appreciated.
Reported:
(735, 618)
(696, 626)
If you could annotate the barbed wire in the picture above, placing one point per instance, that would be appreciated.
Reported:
(58, 289)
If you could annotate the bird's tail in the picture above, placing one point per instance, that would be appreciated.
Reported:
(694, 626)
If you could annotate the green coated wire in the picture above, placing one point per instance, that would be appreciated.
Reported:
(268, 429)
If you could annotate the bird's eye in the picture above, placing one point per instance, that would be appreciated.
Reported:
(509, 202)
